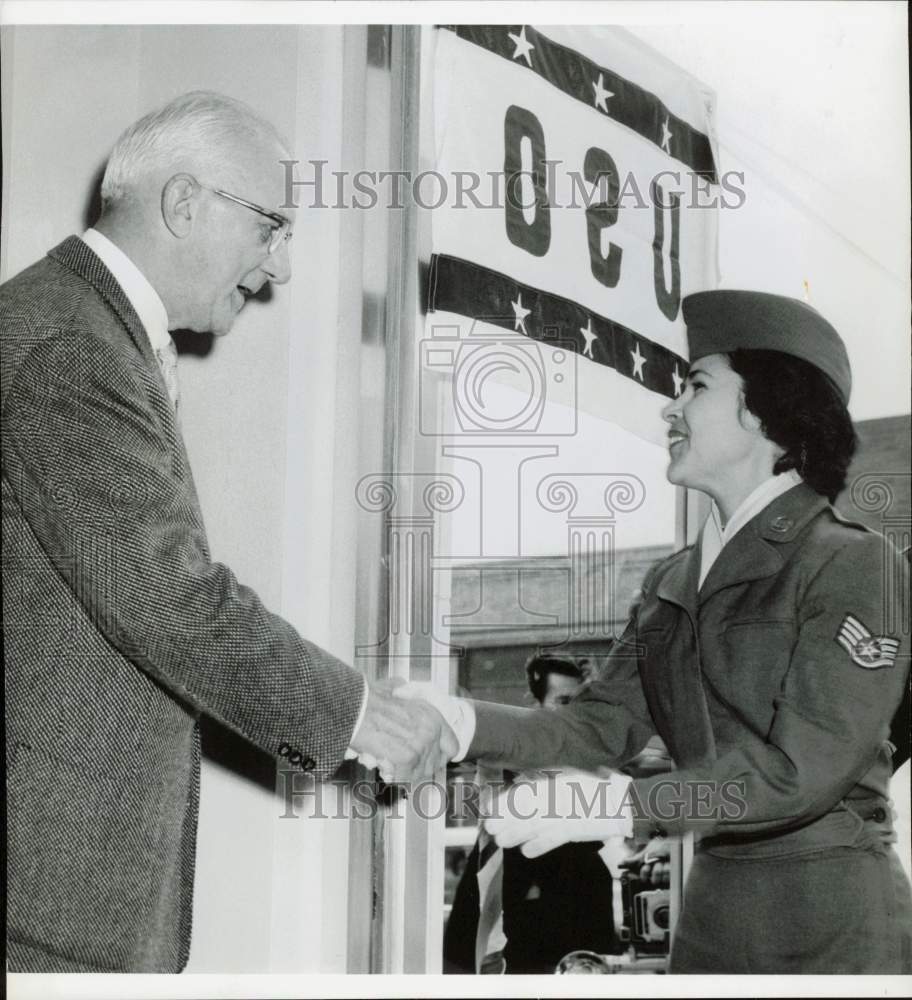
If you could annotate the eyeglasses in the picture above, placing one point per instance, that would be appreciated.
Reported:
(277, 236)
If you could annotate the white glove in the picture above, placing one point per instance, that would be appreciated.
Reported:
(561, 807)
(457, 712)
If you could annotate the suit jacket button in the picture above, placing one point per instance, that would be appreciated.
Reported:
(781, 524)
(284, 750)
(308, 764)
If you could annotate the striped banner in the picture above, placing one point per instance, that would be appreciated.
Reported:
(591, 178)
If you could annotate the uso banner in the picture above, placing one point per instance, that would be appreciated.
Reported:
(581, 207)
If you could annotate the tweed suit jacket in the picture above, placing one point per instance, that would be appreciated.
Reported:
(119, 632)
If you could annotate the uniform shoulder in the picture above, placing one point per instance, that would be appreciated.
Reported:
(655, 572)
(833, 534)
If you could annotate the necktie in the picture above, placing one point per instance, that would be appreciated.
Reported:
(167, 361)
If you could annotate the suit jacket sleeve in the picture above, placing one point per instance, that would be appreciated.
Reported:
(832, 714)
(607, 725)
(93, 470)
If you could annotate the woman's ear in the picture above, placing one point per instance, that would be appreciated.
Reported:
(748, 420)
(179, 204)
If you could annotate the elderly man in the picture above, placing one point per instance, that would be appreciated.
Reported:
(120, 631)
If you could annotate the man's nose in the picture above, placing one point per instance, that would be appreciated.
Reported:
(278, 265)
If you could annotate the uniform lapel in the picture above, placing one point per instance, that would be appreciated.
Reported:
(757, 550)
(681, 678)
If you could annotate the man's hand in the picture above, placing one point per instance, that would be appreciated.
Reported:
(561, 807)
(407, 739)
(457, 712)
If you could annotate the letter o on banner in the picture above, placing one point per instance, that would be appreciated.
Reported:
(534, 236)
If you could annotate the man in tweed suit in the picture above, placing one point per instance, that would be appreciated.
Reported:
(119, 630)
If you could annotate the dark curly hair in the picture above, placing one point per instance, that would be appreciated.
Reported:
(541, 665)
(799, 409)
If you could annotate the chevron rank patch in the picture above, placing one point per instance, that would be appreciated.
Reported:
(867, 650)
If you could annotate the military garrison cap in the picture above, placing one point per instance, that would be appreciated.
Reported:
(724, 320)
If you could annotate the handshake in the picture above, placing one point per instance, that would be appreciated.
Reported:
(410, 731)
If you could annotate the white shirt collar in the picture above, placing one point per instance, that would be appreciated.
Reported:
(143, 297)
(715, 537)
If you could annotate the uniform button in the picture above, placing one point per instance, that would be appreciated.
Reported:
(879, 815)
(284, 750)
(295, 756)
(308, 764)
(781, 524)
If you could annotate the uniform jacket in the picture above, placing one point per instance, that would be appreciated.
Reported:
(750, 683)
(119, 632)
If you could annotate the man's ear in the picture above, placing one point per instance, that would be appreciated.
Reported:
(179, 204)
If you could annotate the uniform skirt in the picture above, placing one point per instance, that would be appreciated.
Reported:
(841, 910)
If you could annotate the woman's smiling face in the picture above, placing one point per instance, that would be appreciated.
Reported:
(715, 443)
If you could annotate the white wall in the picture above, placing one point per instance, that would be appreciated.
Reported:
(813, 107)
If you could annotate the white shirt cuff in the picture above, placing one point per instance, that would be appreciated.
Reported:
(462, 722)
(458, 713)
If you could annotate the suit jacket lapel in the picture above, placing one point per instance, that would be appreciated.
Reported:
(78, 257)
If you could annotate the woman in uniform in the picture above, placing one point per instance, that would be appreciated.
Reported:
(769, 657)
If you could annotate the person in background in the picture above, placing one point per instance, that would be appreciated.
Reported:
(532, 912)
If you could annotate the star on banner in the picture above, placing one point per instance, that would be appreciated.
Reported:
(520, 314)
(589, 334)
(601, 95)
(666, 136)
(523, 47)
(638, 361)
(678, 382)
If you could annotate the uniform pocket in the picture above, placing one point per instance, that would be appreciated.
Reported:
(748, 662)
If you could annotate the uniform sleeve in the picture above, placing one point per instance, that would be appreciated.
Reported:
(91, 467)
(844, 682)
(606, 726)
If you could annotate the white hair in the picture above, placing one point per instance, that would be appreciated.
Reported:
(201, 126)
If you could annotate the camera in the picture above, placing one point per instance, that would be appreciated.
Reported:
(497, 383)
(646, 899)
(651, 915)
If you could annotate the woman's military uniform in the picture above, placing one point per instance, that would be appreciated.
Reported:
(773, 685)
